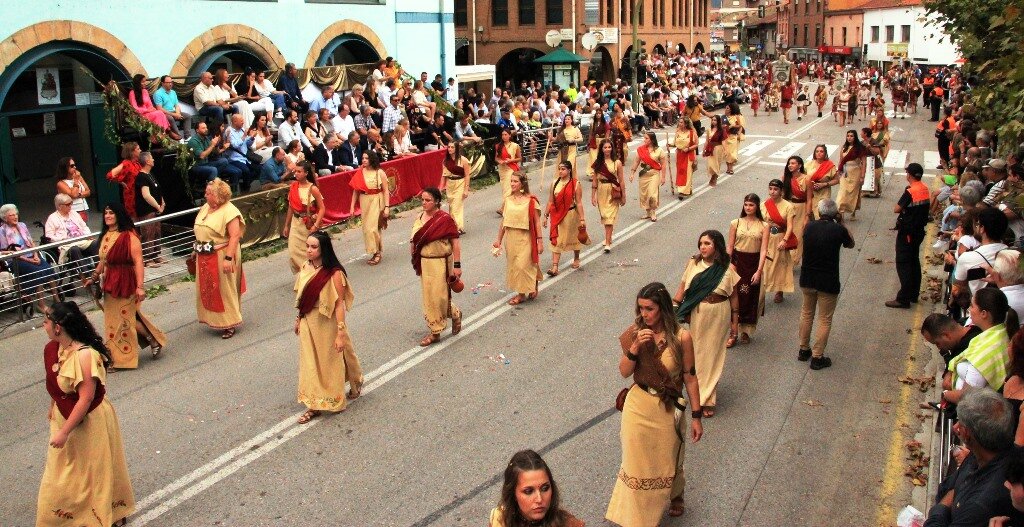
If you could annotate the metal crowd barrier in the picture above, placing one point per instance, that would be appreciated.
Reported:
(534, 142)
(19, 292)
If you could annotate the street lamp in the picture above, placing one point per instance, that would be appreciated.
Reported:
(634, 56)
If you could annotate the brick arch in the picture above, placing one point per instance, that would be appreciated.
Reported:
(340, 28)
(40, 33)
(228, 34)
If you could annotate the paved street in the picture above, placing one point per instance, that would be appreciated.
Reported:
(210, 427)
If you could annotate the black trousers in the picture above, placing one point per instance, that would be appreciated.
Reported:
(943, 147)
(908, 266)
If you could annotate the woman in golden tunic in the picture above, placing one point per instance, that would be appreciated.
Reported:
(714, 149)
(781, 216)
(220, 280)
(437, 259)
(370, 188)
(520, 230)
(652, 162)
(567, 139)
(878, 145)
(566, 215)
(709, 299)
(795, 182)
(747, 248)
(306, 211)
(659, 355)
(85, 478)
(607, 189)
(326, 355)
(529, 496)
(686, 157)
(852, 162)
(598, 133)
(508, 156)
(121, 273)
(822, 177)
(737, 127)
(455, 173)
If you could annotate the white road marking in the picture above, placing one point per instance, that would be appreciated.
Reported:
(755, 147)
(788, 150)
(833, 152)
(930, 159)
(896, 159)
(806, 128)
(773, 163)
(237, 458)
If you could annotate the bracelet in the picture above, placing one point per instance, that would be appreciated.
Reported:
(457, 265)
(632, 356)
(695, 414)
(229, 258)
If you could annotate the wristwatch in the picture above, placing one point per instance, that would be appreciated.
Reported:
(229, 258)
(695, 414)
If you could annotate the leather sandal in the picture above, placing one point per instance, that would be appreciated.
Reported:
(553, 271)
(516, 300)
(355, 391)
(155, 347)
(457, 324)
(374, 260)
(677, 508)
(227, 333)
(308, 416)
(430, 339)
(731, 342)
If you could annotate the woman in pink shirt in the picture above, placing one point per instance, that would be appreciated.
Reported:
(139, 98)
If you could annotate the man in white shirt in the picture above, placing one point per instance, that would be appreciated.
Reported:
(343, 122)
(290, 130)
(989, 227)
(209, 100)
(451, 92)
(328, 99)
(385, 91)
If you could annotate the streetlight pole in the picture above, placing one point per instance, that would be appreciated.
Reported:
(635, 54)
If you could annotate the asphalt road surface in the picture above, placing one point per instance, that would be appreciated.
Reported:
(210, 428)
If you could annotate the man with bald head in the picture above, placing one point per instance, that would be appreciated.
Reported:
(209, 100)
(238, 142)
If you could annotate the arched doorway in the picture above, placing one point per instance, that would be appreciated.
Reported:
(64, 119)
(699, 48)
(602, 67)
(461, 54)
(234, 58)
(625, 68)
(348, 49)
(681, 48)
(659, 49)
(517, 65)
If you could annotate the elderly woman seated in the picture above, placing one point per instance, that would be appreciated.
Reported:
(32, 271)
(64, 224)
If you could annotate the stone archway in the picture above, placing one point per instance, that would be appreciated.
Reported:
(231, 35)
(337, 29)
(35, 35)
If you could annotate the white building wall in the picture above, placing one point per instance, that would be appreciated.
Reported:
(157, 31)
(928, 43)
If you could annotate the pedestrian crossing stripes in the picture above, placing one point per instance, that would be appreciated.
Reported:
(755, 147)
(896, 159)
(788, 150)
(833, 153)
(931, 159)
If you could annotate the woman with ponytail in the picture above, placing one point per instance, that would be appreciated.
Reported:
(86, 475)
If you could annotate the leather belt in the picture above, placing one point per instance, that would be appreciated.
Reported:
(714, 298)
(455, 178)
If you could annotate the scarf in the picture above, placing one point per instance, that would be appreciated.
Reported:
(987, 353)
(534, 230)
(65, 402)
(119, 278)
(823, 169)
(600, 129)
(311, 293)
(778, 219)
(454, 166)
(503, 154)
(601, 168)
(702, 285)
(720, 135)
(645, 157)
(795, 190)
(852, 154)
(440, 226)
(560, 205)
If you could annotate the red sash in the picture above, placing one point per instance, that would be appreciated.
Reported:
(311, 293)
(65, 402)
(645, 157)
(454, 166)
(852, 155)
(777, 219)
(208, 276)
(719, 137)
(503, 154)
(823, 169)
(601, 167)
(358, 181)
(440, 226)
(534, 229)
(307, 211)
(798, 193)
(560, 206)
(119, 279)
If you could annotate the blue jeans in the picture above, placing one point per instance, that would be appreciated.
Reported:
(216, 112)
(226, 168)
(278, 99)
(207, 171)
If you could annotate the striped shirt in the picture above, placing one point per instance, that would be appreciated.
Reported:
(988, 354)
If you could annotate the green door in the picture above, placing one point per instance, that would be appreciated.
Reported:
(104, 158)
(7, 176)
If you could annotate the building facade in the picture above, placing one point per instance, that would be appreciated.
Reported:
(896, 30)
(801, 25)
(511, 33)
(82, 44)
(844, 22)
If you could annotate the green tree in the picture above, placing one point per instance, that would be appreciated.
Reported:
(990, 34)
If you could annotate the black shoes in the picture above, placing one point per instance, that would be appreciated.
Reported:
(897, 304)
(818, 363)
(803, 355)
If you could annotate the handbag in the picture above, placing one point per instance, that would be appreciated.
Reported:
(620, 399)
(190, 263)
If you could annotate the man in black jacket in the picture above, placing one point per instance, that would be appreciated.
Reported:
(292, 93)
(351, 152)
(325, 155)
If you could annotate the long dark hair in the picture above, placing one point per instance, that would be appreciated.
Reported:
(657, 293)
(64, 168)
(69, 317)
(718, 240)
(458, 151)
(124, 221)
(329, 259)
(373, 158)
(137, 81)
(756, 200)
(310, 173)
(600, 154)
(567, 165)
(525, 461)
(1016, 366)
(787, 177)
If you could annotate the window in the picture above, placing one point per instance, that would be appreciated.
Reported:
(844, 36)
(890, 33)
(661, 18)
(817, 34)
(831, 36)
(609, 12)
(856, 33)
(554, 12)
(527, 15)
(805, 34)
(461, 19)
(499, 12)
(654, 9)
(874, 33)
(796, 34)
(905, 30)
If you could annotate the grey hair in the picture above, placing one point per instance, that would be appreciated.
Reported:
(145, 157)
(1006, 266)
(827, 207)
(970, 195)
(61, 199)
(988, 416)
(7, 209)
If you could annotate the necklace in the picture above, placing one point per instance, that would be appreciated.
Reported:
(316, 266)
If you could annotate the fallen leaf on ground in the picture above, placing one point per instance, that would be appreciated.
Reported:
(874, 260)
(812, 402)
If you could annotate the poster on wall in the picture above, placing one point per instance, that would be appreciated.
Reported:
(48, 85)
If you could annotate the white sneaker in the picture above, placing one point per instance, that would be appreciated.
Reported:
(278, 114)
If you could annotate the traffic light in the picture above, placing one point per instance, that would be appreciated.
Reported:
(760, 11)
